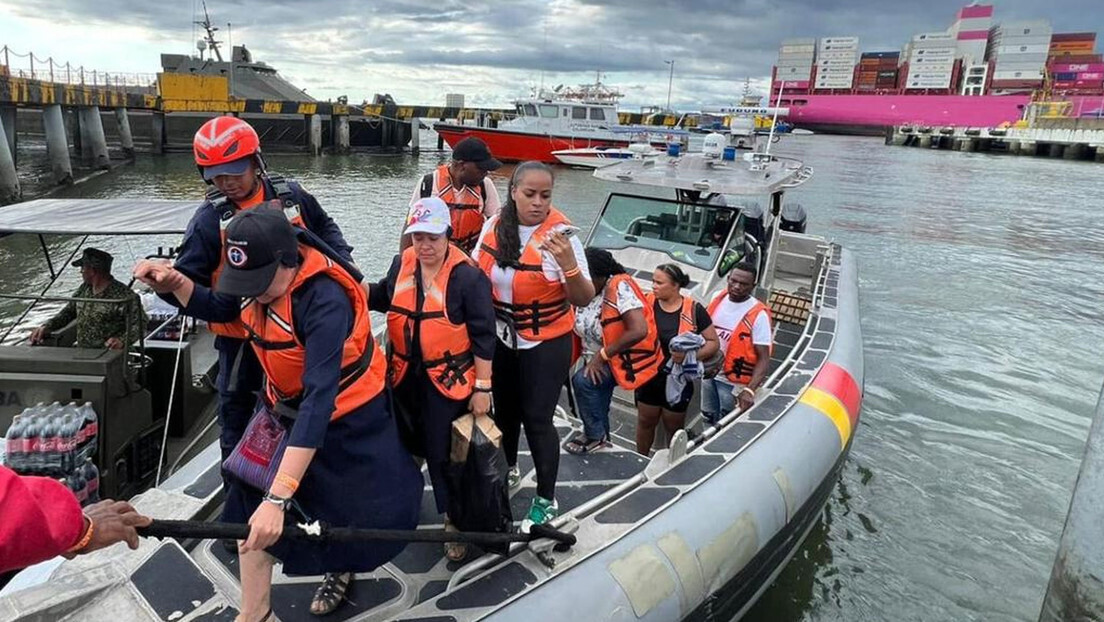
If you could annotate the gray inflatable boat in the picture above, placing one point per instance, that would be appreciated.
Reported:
(695, 531)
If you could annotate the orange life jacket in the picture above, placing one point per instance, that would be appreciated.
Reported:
(740, 355)
(271, 331)
(446, 347)
(234, 328)
(540, 310)
(686, 314)
(465, 206)
(639, 363)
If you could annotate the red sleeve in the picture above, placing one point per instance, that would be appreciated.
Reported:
(39, 519)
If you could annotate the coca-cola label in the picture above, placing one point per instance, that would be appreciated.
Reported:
(33, 444)
(93, 485)
(82, 495)
(91, 430)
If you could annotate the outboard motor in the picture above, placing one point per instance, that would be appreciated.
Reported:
(793, 217)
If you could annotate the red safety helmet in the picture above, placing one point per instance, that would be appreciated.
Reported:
(225, 146)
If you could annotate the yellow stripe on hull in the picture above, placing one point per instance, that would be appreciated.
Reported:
(833, 408)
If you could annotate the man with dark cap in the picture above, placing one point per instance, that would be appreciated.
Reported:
(463, 185)
(110, 324)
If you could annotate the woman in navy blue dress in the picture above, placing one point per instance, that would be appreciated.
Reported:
(344, 464)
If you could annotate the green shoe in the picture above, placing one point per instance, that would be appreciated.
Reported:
(540, 512)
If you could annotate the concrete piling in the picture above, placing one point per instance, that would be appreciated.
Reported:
(9, 179)
(126, 139)
(314, 134)
(1074, 152)
(415, 135)
(926, 141)
(158, 137)
(93, 141)
(57, 145)
(1055, 150)
(341, 138)
(7, 119)
(1028, 147)
(1076, 588)
(1099, 157)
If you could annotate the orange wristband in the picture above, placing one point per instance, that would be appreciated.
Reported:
(287, 480)
(86, 538)
(572, 272)
(602, 353)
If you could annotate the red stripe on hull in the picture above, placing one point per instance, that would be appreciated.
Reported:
(511, 146)
(838, 382)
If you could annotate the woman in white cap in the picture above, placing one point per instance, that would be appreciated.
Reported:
(441, 328)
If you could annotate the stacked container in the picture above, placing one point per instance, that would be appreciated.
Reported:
(1073, 64)
(795, 64)
(931, 59)
(56, 441)
(877, 71)
(971, 31)
(1018, 51)
(835, 63)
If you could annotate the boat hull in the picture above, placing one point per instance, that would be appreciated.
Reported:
(872, 114)
(515, 146)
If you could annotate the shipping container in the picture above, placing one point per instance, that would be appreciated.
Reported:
(839, 41)
(1002, 50)
(1027, 27)
(1014, 83)
(1018, 75)
(882, 55)
(976, 11)
(1076, 67)
(1065, 77)
(1059, 37)
(1076, 58)
(887, 74)
(1090, 76)
(1094, 84)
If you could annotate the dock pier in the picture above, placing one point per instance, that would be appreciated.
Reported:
(1068, 139)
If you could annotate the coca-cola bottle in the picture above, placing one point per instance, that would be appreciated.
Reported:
(48, 447)
(32, 440)
(79, 486)
(13, 443)
(92, 476)
(90, 423)
(67, 443)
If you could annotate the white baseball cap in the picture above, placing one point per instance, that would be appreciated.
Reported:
(428, 215)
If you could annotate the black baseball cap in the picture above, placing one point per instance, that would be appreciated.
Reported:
(473, 149)
(258, 242)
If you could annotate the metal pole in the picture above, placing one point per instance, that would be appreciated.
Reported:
(1076, 589)
(670, 80)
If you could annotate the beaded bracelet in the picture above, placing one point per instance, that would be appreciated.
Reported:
(86, 538)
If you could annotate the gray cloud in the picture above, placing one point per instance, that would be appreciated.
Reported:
(421, 48)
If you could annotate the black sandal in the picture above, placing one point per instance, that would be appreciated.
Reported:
(329, 596)
(581, 445)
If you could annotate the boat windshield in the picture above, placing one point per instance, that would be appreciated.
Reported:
(691, 233)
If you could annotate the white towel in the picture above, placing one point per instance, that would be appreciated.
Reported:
(678, 374)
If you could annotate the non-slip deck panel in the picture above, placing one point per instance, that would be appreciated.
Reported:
(419, 557)
(821, 341)
(603, 465)
(793, 384)
(207, 483)
(690, 470)
(491, 589)
(733, 438)
(291, 601)
(568, 497)
(170, 582)
(770, 408)
(636, 505)
(811, 359)
(432, 590)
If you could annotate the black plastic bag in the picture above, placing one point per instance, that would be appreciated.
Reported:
(479, 498)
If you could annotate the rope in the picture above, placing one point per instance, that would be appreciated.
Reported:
(316, 532)
(168, 407)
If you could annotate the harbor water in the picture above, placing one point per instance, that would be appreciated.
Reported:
(981, 285)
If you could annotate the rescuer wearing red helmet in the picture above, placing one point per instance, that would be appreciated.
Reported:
(228, 153)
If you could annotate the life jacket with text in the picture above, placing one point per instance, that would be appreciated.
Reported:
(740, 356)
(639, 363)
(226, 210)
(465, 205)
(540, 310)
(271, 332)
(445, 347)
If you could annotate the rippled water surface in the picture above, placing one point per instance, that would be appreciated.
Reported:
(981, 288)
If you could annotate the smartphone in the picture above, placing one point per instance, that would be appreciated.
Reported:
(568, 230)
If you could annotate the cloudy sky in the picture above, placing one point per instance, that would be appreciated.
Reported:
(418, 50)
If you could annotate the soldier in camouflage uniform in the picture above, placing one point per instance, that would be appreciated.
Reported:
(99, 324)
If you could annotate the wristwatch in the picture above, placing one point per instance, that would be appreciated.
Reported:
(279, 502)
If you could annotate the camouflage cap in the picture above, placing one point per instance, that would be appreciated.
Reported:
(96, 259)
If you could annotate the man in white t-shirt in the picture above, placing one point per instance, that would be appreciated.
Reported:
(734, 387)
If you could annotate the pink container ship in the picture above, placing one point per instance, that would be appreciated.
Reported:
(975, 73)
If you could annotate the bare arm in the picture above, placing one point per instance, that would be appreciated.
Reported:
(636, 329)
(712, 344)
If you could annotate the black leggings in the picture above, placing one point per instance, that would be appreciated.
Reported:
(527, 385)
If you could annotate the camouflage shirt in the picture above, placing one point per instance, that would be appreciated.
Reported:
(98, 322)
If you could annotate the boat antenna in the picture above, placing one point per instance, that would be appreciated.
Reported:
(210, 38)
(774, 121)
